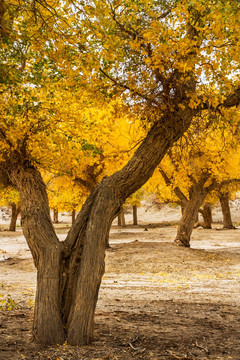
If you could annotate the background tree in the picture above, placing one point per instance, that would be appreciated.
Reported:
(135, 201)
(65, 195)
(9, 197)
(203, 161)
(224, 201)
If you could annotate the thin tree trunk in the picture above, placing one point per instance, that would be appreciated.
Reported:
(207, 216)
(73, 216)
(55, 215)
(123, 222)
(119, 219)
(227, 219)
(15, 211)
(190, 212)
(135, 221)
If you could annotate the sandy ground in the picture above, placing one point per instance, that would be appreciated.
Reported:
(157, 301)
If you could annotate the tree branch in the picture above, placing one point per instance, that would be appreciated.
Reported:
(183, 199)
(126, 87)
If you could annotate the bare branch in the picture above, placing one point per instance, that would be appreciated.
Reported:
(126, 87)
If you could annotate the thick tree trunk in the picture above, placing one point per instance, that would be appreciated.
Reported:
(190, 212)
(227, 219)
(46, 251)
(55, 216)
(207, 216)
(80, 322)
(48, 327)
(15, 211)
(135, 221)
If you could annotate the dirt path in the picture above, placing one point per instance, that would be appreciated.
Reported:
(157, 301)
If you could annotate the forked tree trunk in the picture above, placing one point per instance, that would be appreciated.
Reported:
(55, 216)
(207, 216)
(135, 221)
(227, 219)
(15, 211)
(69, 273)
(190, 212)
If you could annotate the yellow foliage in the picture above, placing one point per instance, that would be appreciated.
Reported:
(73, 76)
(206, 149)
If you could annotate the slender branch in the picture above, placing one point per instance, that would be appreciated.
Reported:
(126, 87)
(133, 34)
(183, 199)
(228, 182)
(180, 195)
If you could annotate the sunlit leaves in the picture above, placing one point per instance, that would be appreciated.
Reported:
(207, 148)
(149, 48)
(71, 71)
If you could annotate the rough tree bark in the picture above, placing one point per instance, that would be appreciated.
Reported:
(227, 219)
(135, 221)
(15, 212)
(46, 251)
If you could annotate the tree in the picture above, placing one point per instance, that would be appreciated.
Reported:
(10, 197)
(227, 220)
(190, 204)
(144, 52)
(15, 212)
(199, 163)
(135, 201)
(64, 194)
